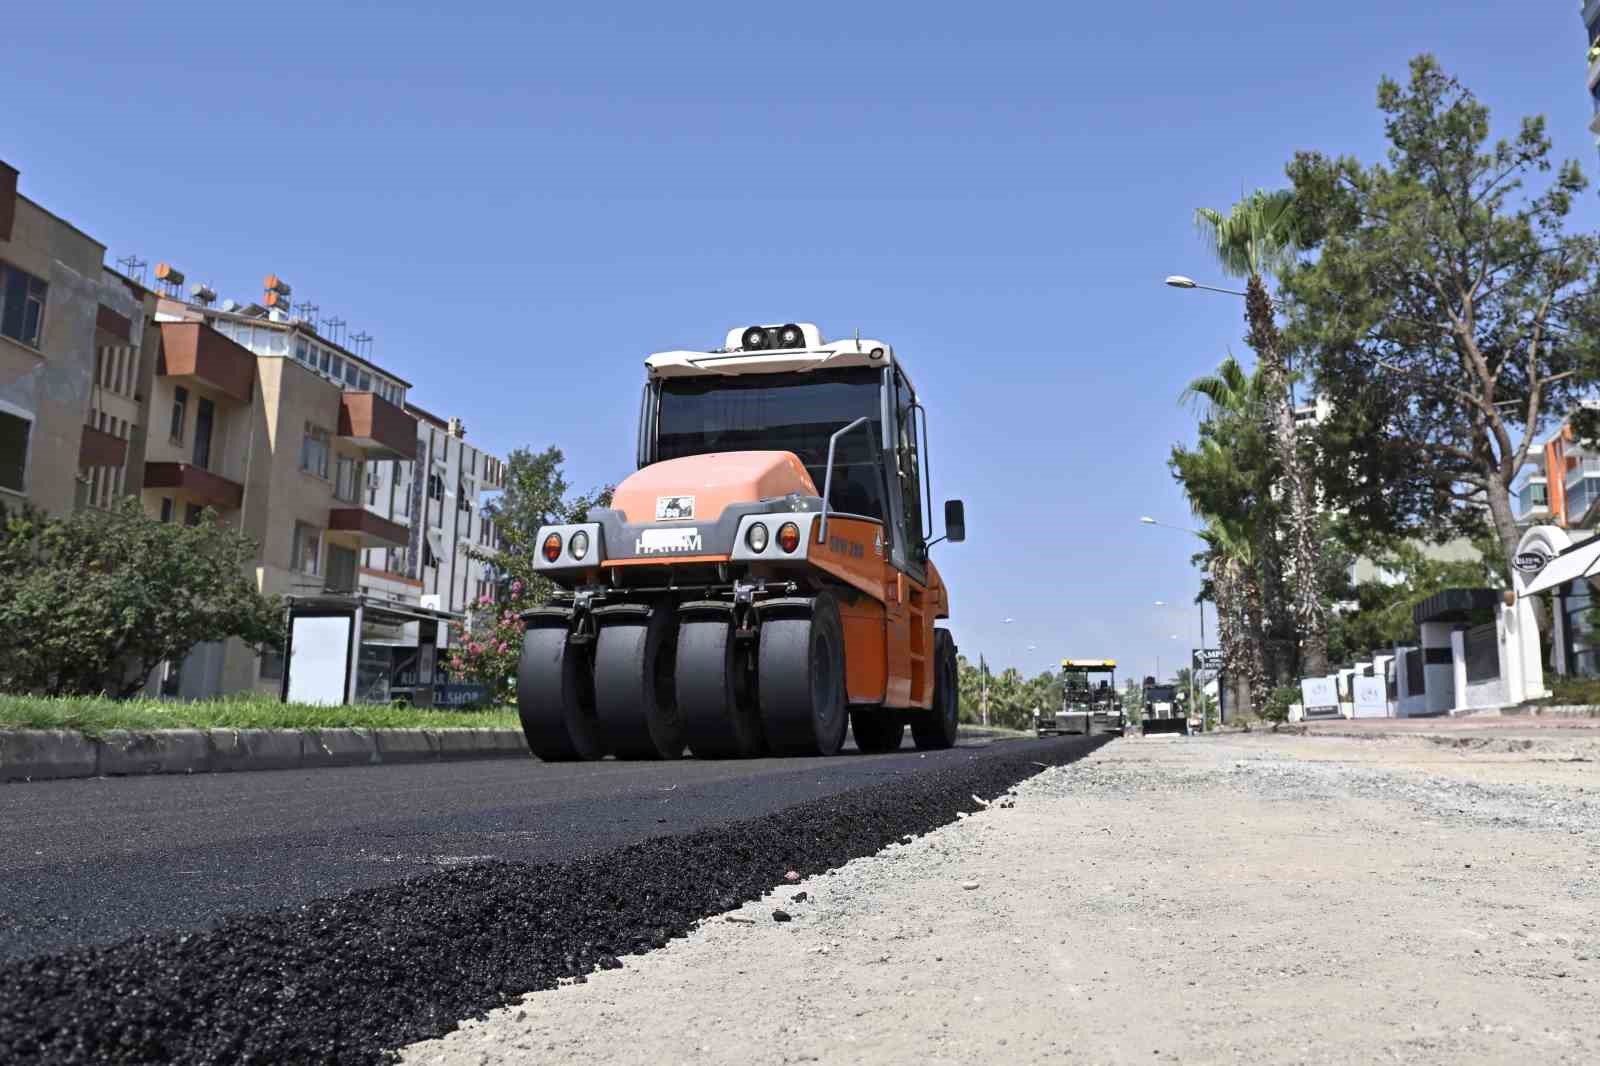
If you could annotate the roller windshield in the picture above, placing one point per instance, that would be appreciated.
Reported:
(782, 412)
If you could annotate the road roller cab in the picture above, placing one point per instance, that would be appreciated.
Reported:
(763, 579)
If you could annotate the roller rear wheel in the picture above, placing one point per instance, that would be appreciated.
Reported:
(555, 697)
(877, 729)
(720, 716)
(936, 729)
(634, 695)
(800, 678)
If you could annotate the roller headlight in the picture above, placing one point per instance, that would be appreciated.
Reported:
(552, 547)
(789, 537)
(756, 537)
(790, 337)
(578, 546)
(754, 339)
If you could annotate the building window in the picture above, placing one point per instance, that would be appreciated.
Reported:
(306, 555)
(14, 431)
(365, 385)
(1534, 495)
(436, 485)
(314, 451)
(180, 412)
(352, 374)
(347, 485)
(167, 505)
(465, 490)
(323, 357)
(21, 305)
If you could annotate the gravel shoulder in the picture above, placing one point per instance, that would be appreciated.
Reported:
(1217, 899)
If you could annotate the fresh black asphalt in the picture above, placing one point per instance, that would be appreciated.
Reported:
(363, 920)
(94, 861)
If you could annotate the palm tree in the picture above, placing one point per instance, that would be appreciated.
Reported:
(1258, 237)
(1232, 474)
(1231, 560)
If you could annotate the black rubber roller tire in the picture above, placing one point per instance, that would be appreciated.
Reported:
(720, 716)
(555, 698)
(634, 695)
(800, 678)
(877, 729)
(936, 729)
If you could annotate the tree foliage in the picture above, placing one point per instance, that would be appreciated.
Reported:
(487, 646)
(1447, 312)
(1012, 697)
(1381, 615)
(1258, 238)
(91, 603)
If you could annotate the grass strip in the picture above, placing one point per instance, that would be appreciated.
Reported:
(92, 715)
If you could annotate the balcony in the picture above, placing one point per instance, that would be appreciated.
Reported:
(199, 486)
(194, 353)
(377, 426)
(367, 529)
(99, 448)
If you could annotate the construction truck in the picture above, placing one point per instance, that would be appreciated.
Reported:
(763, 580)
(1163, 711)
(1089, 700)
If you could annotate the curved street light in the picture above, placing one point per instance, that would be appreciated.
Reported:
(1178, 281)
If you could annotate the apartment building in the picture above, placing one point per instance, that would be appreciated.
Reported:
(1590, 12)
(1560, 486)
(274, 427)
(1560, 483)
(439, 497)
(76, 359)
(315, 453)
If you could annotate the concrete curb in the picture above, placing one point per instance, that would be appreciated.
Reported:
(51, 754)
(42, 755)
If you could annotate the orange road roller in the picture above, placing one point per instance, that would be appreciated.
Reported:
(762, 581)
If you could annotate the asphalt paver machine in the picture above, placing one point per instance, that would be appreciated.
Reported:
(763, 580)
(1090, 703)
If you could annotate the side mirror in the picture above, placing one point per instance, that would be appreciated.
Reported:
(955, 521)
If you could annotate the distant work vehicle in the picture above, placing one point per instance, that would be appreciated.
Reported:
(762, 581)
(1163, 713)
(1089, 700)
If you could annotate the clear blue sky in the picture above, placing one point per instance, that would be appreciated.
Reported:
(520, 205)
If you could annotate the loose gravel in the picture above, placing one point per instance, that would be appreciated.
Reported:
(1203, 900)
(342, 980)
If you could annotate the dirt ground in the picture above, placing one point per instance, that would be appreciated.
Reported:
(1254, 898)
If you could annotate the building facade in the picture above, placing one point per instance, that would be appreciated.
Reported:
(77, 354)
(111, 390)
(439, 497)
(314, 453)
(1560, 487)
(257, 418)
(1591, 35)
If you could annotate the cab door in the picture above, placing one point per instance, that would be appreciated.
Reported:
(908, 610)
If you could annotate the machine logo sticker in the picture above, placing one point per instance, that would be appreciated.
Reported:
(877, 543)
(673, 508)
(664, 541)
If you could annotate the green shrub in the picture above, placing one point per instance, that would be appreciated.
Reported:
(1276, 707)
